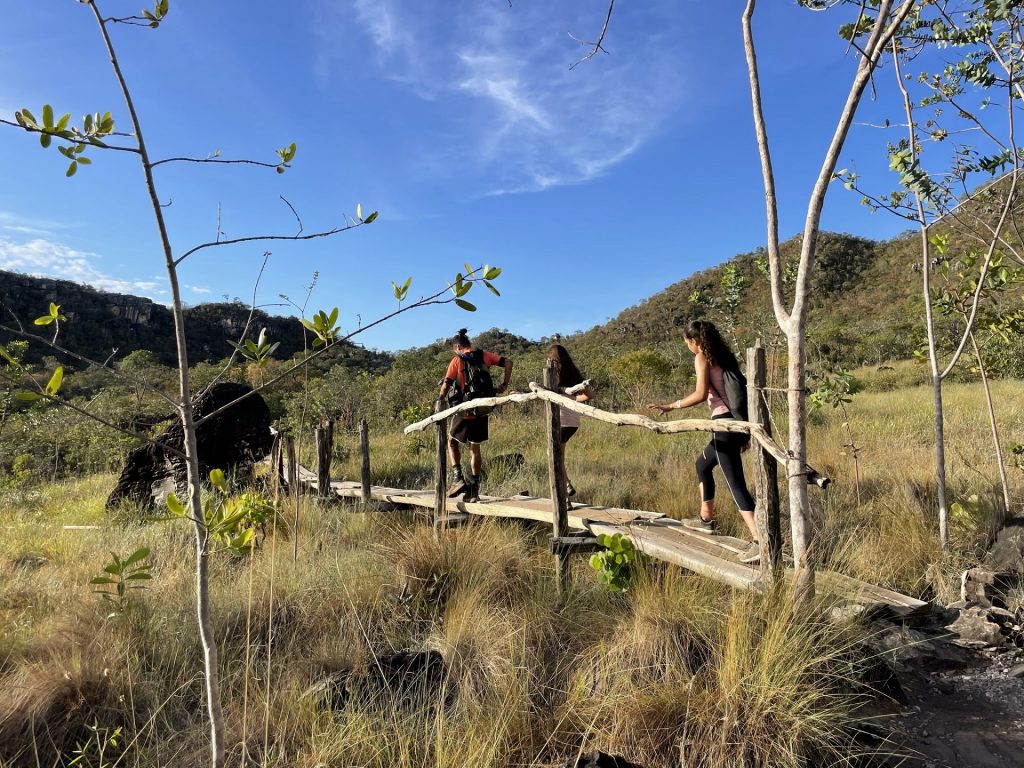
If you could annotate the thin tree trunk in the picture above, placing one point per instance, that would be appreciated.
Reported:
(195, 506)
(996, 445)
(929, 317)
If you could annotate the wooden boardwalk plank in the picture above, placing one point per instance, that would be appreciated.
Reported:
(659, 536)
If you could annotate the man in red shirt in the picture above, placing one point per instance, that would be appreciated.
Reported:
(468, 428)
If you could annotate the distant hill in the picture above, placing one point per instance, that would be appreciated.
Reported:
(866, 304)
(866, 308)
(100, 323)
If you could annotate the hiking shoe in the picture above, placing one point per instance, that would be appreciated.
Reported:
(752, 554)
(698, 523)
(569, 490)
(457, 487)
(472, 492)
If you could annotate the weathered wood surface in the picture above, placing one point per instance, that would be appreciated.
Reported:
(678, 426)
(537, 392)
(766, 482)
(661, 537)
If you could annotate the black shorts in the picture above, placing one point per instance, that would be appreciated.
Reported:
(567, 432)
(469, 430)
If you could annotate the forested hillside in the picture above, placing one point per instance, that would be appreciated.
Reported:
(866, 307)
(100, 323)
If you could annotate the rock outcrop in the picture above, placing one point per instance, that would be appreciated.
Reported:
(232, 441)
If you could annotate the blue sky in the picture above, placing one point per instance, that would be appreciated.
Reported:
(460, 122)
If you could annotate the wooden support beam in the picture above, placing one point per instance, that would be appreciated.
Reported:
(556, 476)
(323, 460)
(364, 456)
(569, 545)
(441, 415)
(292, 465)
(678, 426)
(766, 480)
(440, 471)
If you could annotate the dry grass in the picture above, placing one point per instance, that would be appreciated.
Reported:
(680, 663)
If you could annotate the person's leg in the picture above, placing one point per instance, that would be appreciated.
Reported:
(704, 465)
(732, 467)
(455, 454)
(475, 461)
(567, 433)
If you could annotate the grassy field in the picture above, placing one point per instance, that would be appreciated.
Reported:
(678, 668)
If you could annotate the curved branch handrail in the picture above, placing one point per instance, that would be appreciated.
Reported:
(538, 392)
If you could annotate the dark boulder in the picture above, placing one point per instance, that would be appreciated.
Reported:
(598, 759)
(232, 441)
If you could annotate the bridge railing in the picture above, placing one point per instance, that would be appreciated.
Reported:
(765, 459)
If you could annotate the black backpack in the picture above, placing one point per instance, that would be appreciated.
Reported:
(477, 380)
(735, 394)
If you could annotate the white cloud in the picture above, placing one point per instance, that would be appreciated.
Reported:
(512, 117)
(50, 259)
(13, 222)
(199, 289)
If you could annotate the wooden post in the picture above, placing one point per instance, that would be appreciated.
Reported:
(364, 453)
(291, 465)
(766, 482)
(323, 461)
(440, 470)
(556, 474)
(276, 468)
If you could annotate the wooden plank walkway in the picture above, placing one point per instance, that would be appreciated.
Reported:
(661, 537)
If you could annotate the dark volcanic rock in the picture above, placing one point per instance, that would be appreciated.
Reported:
(598, 759)
(232, 441)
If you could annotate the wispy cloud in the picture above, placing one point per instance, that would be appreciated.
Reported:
(51, 259)
(13, 222)
(509, 114)
(199, 289)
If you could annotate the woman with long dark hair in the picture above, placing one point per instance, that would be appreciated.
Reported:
(567, 375)
(712, 358)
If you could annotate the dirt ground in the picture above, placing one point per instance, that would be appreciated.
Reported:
(968, 718)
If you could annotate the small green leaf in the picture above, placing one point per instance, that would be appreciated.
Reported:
(44, 320)
(139, 554)
(72, 169)
(175, 506)
(465, 305)
(45, 139)
(53, 386)
(218, 481)
(492, 272)
(359, 211)
(371, 218)
(47, 116)
(491, 288)
(28, 397)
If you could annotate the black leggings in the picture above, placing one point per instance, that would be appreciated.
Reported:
(724, 449)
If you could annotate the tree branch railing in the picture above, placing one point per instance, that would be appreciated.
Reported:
(538, 392)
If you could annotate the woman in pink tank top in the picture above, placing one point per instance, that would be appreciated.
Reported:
(712, 357)
(568, 376)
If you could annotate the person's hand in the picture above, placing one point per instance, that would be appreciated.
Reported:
(659, 407)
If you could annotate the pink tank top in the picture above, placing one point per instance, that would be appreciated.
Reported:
(716, 392)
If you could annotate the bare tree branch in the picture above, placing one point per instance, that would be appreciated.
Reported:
(267, 238)
(597, 45)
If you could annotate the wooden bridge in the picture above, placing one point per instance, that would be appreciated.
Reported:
(576, 526)
(661, 537)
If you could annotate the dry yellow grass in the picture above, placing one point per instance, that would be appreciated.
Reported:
(679, 663)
